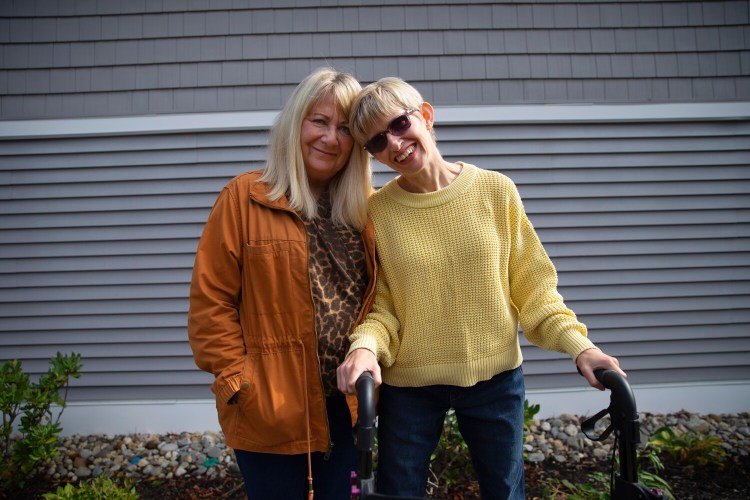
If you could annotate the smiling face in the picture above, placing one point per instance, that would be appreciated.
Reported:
(411, 151)
(326, 143)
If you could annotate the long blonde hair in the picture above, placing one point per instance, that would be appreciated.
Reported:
(285, 169)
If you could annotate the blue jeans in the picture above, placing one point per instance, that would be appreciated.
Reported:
(490, 418)
(268, 475)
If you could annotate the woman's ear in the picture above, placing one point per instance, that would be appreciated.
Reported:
(428, 113)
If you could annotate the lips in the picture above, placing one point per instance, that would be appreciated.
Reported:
(324, 152)
(409, 151)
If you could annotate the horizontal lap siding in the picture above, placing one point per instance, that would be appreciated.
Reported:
(98, 241)
(647, 222)
(648, 225)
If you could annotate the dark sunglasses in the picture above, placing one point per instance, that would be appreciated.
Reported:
(397, 127)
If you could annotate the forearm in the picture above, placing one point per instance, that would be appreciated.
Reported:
(214, 329)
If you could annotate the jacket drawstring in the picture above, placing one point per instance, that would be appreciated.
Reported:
(310, 490)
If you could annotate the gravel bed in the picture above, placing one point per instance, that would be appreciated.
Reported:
(561, 439)
(144, 456)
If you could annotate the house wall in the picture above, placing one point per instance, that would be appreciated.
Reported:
(624, 124)
(77, 58)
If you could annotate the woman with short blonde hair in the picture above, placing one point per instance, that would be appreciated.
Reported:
(461, 268)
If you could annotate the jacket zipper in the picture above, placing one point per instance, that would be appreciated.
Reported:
(327, 453)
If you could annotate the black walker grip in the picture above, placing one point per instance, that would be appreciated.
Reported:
(364, 436)
(624, 416)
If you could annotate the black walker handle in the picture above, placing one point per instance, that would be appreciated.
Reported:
(624, 419)
(365, 440)
(365, 437)
(622, 410)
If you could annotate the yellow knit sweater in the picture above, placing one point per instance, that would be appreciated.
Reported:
(459, 268)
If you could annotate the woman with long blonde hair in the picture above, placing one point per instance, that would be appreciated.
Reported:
(284, 270)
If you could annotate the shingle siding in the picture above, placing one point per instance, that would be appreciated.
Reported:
(689, 41)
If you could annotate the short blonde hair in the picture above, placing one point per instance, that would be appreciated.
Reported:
(380, 99)
(285, 168)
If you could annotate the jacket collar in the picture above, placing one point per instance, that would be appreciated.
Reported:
(259, 192)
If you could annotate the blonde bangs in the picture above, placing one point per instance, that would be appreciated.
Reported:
(378, 100)
(285, 168)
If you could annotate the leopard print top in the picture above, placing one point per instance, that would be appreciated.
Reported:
(338, 278)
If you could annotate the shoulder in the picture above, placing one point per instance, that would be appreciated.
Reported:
(250, 185)
(490, 176)
(491, 182)
(381, 197)
(246, 180)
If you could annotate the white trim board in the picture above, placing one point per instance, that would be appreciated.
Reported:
(140, 125)
(448, 115)
(163, 417)
(592, 113)
(724, 397)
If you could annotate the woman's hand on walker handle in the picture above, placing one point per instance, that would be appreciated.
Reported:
(594, 359)
(356, 363)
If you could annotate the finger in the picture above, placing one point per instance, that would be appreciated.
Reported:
(342, 383)
(618, 369)
(343, 378)
(340, 378)
(593, 382)
(614, 364)
(588, 374)
(375, 372)
(352, 382)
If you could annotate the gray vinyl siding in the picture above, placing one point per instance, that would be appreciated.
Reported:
(647, 224)
(99, 236)
(646, 220)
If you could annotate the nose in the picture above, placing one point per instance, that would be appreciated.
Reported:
(394, 141)
(330, 134)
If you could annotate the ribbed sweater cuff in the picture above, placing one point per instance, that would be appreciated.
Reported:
(574, 344)
(365, 342)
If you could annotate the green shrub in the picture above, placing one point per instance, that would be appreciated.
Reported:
(100, 488)
(35, 443)
(529, 412)
(598, 483)
(689, 449)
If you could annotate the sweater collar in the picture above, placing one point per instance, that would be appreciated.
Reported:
(436, 198)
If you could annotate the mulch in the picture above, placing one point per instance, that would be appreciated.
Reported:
(688, 483)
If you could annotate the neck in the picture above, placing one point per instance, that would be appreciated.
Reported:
(317, 189)
(430, 179)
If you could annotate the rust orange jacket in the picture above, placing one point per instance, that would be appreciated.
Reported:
(252, 322)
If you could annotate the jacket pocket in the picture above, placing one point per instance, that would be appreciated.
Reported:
(272, 409)
(227, 396)
(272, 272)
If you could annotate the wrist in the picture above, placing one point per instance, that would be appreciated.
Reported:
(585, 350)
(364, 342)
(355, 349)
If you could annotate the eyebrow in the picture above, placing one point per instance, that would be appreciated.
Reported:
(344, 121)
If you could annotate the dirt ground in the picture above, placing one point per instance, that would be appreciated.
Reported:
(688, 483)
